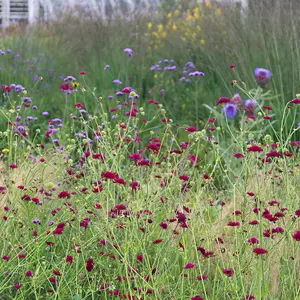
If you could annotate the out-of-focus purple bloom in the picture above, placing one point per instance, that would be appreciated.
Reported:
(36, 221)
(110, 97)
(196, 74)
(35, 118)
(106, 67)
(119, 93)
(29, 118)
(262, 76)
(128, 51)
(190, 65)
(34, 107)
(166, 61)
(249, 107)
(117, 81)
(236, 99)
(69, 78)
(27, 100)
(73, 117)
(35, 78)
(162, 91)
(230, 110)
(182, 79)
(18, 88)
(56, 120)
(113, 117)
(45, 113)
(51, 223)
(8, 50)
(18, 118)
(82, 111)
(170, 68)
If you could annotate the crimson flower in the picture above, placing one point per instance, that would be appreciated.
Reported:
(260, 251)
(296, 236)
(89, 264)
(189, 266)
(228, 272)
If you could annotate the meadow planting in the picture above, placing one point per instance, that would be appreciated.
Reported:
(138, 163)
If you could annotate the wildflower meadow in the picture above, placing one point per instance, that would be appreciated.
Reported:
(153, 157)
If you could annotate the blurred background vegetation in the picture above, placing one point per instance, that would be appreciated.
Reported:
(211, 35)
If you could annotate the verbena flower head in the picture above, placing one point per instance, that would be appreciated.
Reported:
(262, 76)
(128, 51)
(230, 110)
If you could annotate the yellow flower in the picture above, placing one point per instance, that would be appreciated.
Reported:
(160, 27)
(202, 42)
(5, 150)
(163, 34)
(75, 84)
(208, 4)
(174, 27)
(149, 26)
(196, 16)
(169, 15)
(189, 17)
(176, 12)
(218, 12)
(155, 76)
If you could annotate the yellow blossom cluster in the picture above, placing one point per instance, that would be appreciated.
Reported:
(184, 24)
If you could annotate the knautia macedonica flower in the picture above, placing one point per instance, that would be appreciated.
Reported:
(262, 76)
(249, 107)
(236, 99)
(230, 110)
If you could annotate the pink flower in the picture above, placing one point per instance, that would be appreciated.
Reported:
(254, 148)
(191, 129)
(157, 242)
(253, 240)
(233, 224)
(69, 259)
(238, 155)
(296, 236)
(296, 101)
(89, 265)
(260, 251)
(223, 100)
(17, 286)
(228, 272)
(29, 274)
(189, 266)
(139, 258)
